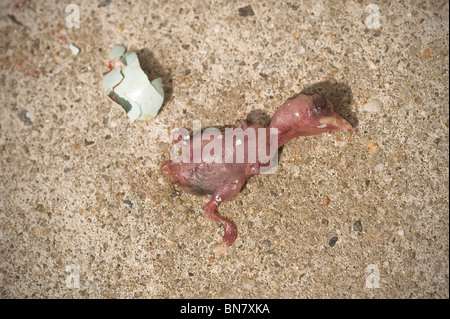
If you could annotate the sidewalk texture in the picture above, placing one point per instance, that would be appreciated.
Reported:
(85, 212)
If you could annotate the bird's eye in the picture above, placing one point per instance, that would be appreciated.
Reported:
(319, 105)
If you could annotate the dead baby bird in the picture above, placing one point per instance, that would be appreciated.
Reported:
(222, 173)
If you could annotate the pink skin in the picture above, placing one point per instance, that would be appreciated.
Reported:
(302, 115)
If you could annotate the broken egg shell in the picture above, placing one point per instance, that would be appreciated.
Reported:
(129, 88)
(117, 52)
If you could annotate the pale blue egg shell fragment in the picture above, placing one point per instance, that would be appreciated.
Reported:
(130, 89)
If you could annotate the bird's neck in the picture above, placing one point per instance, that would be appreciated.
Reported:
(286, 135)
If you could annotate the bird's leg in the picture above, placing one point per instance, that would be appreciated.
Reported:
(230, 231)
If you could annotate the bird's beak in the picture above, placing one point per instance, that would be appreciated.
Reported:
(343, 125)
(337, 123)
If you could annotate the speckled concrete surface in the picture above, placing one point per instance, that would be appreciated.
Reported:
(80, 186)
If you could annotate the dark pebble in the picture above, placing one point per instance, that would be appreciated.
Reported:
(273, 193)
(187, 72)
(24, 118)
(87, 143)
(175, 194)
(357, 226)
(13, 19)
(333, 241)
(66, 157)
(267, 242)
(263, 75)
(36, 44)
(104, 3)
(128, 202)
(107, 137)
(246, 11)
(367, 182)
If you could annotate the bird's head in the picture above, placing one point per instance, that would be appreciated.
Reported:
(306, 114)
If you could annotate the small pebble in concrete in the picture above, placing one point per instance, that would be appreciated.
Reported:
(75, 50)
(357, 226)
(220, 249)
(426, 53)
(24, 118)
(104, 3)
(87, 143)
(373, 106)
(379, 168)
(301, 50)
(372, 147)
(14, 19)
(248, 283)
(371, 65)
(326, 202)
(267, 242)
(175, 194)
(246, 11)
(367, 182)
(128, 202)
(340, 143)
(333, 241)
(164, 145)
